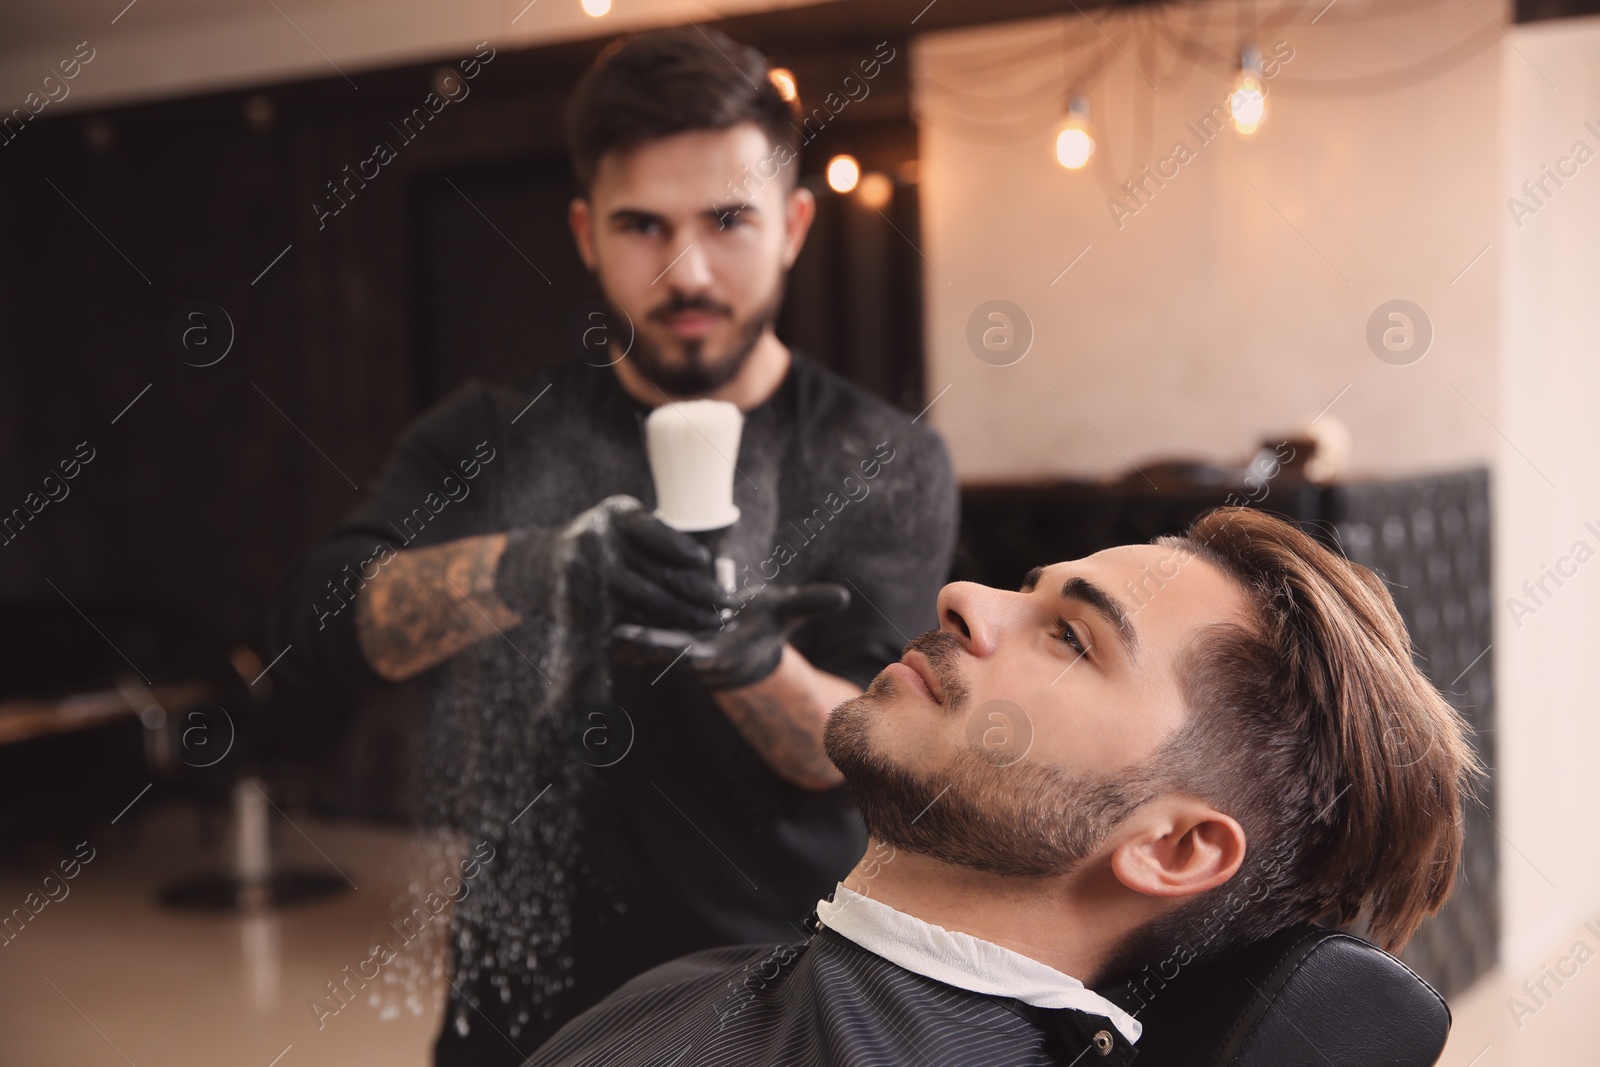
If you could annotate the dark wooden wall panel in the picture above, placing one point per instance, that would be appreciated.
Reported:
(205, 490)
(1538, 10)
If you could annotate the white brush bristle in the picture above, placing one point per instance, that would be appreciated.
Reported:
(693, 447)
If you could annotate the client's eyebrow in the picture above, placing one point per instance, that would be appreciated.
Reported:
(1086, 592)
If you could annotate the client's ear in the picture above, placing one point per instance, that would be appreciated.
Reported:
(1179, 846)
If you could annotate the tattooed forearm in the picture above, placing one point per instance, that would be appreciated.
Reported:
(788, 746)
(430, 603)
(782, 719)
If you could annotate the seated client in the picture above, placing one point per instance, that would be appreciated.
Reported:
(1156, 754)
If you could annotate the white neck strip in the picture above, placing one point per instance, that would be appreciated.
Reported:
(961, 960)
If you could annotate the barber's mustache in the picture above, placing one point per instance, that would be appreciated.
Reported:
(943, 651)
(679, 303)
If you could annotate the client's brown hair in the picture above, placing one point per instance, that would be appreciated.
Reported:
(1314, 728)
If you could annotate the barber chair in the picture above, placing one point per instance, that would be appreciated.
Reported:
(76, 696)
(1305, 997)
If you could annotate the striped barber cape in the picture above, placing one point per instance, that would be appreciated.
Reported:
(824, 1002)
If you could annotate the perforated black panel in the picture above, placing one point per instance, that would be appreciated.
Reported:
(1429, 539)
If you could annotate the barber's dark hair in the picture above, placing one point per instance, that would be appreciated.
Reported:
(1313, 727)
(664, 82)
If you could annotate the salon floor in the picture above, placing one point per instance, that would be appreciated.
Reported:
(103, 976)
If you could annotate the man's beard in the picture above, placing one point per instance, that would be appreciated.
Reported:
(696, 375)
(982, 810)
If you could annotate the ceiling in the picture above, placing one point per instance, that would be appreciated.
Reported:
(159, 49)
(153, 49)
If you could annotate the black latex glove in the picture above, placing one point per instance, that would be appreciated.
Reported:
(744, 651)
(620, 564)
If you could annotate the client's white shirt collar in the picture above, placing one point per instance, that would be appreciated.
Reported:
(961, 960)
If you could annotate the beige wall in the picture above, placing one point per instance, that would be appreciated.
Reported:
(1549, 383)
(1219, 313)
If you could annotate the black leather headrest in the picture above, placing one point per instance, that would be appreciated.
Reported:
(1305, 997)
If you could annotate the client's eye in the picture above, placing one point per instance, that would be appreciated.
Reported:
(1068, 636)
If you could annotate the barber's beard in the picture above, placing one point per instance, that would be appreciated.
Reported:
(981, 810)
(694, 373)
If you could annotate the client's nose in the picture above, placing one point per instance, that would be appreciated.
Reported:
(974, 613)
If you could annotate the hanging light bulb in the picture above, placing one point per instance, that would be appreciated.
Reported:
(876, 189)
(1074, 143)
(1249, 100)
(782, 79)
(843, 173)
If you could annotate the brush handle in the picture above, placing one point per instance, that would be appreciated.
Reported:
(722, 566)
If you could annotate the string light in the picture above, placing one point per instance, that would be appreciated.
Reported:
(843, 173)
(1074, 142)
(1249, 100)
(876, 190)
(1087, 53)
(782, 79)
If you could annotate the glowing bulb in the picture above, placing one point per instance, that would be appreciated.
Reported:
(1249, 107)
(1074, 143)
(876, 190)
(1249, 100)
(843, 173)
(596, 8)
(1074, 147)
(783, 80)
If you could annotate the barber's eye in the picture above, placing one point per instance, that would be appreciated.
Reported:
(1069, 637)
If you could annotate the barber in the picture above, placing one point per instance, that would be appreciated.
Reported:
(573, 645)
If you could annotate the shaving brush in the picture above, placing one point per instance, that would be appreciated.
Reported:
(692, 447)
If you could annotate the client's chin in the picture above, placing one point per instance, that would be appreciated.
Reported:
(1026, 819)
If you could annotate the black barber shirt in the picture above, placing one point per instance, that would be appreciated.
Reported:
(663, 832)
(823, 1003)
